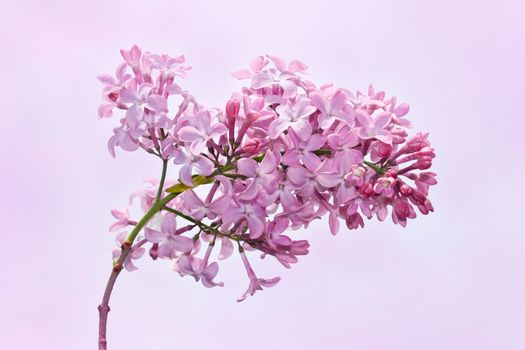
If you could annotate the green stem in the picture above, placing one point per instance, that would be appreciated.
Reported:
(162, 179)
(374, 167)
(196, 222)
(155, 208)
(205, 227)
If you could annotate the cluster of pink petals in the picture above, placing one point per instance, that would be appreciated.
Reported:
(282, 153)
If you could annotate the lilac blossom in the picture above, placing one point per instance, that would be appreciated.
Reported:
(302, 149)
(168, 238)
(199, 209)
(123, 220)
(202, 131)
(203, 165)
(255, 282)
(331, 108)
(279, 155)
(374, 127)
(263, 175)
(200, 269)
(292, 116)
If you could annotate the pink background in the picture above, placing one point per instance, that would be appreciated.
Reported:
(451, 280)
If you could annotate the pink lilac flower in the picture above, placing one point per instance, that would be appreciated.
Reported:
(123, 220)
(199, 210)
(302, 149)
(292, 116)
(312, 175)
(256, 66)
(200, 269)
(255, 282)
(276, 84)
(398, 112)
(170, 242)
(141, 100)
(374, 127)
(111, 90)
(346, 143)
(203, 165)
(332, 108)
(253, 214)
(202, 131)
(263, 175)
(167, 65)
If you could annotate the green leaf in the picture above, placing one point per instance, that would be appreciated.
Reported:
(197, 180)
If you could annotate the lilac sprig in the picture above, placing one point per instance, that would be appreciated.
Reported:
(282, 153)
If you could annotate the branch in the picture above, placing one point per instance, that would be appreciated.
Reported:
(206, 227)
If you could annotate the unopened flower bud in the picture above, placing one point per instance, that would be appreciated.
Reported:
(154, 251)
(417, 142)
(232, 108)
(418, 197)
(405, 190)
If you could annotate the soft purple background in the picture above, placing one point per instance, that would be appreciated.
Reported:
(451, 280)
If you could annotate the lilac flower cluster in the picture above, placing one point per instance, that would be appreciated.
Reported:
(281, 154)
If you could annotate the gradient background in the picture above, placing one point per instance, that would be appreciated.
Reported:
(451, 280)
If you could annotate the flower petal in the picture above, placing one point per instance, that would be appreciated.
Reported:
(189, 134)
(382, 120)
(168, 225)
(154, 236)
(256, 226)
(182, 244)
(297, 174)
(226, 248)
(242, 74)
(296, 66)
(220, 205)
(247, 167)
(156, 103)
(204, 165)
(277, 127)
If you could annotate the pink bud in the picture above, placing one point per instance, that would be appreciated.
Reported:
(154, 251)
(366, 190)
(354, 221)
(417, 142)
(232, 107)
(418, 196)
(424, 163)
(403, 209)
(384, 150)
(251, 147)
(405, 190)
(391, 173)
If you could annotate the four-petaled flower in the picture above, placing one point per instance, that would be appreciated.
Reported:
(170, 242)
(122, 217)
(295, 117)
(189, 265)
(263, 175)
(374, 127)
(188, 160)
(201, 131)
(253, 214)
(332, 108)
(255, 283)
(199, 209)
